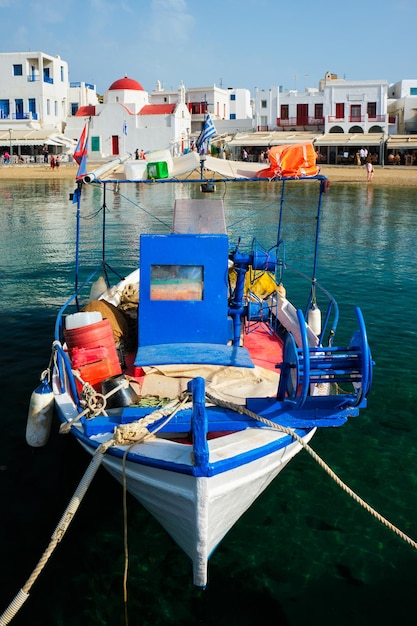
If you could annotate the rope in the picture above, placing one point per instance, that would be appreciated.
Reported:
(96, 403)
(137, 432)
(58, 534)
(134, 435)
(319, 460)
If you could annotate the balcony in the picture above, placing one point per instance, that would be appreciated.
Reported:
(23, 116)
(290, 122)
(357, 119)
(377, 118)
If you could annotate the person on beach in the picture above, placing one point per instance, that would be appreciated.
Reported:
(57, 161)
(52, 162)
(369, 170)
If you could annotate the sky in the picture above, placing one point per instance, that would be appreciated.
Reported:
(228, 43)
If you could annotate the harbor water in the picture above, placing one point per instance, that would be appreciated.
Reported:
(305, 553)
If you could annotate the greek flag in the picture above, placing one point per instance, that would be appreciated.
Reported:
(207, 132)
(124, 128)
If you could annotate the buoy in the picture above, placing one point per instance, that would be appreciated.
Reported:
(41, 408)
(314, 319)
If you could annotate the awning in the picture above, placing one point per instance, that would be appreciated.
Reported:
(350, 139)
(265, 139)
(34, 137)
(399, 142)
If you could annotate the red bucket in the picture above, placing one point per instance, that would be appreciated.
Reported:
(93, 349)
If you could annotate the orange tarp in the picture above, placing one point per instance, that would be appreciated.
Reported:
(291, 160)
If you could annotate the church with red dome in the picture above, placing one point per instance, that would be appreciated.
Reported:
(127, 120)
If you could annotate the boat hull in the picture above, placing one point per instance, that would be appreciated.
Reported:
(198, 511)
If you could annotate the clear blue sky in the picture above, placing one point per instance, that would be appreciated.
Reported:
(230, 43)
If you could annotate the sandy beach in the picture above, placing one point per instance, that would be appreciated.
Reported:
(388, 175)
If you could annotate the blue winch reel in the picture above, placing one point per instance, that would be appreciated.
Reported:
(319, 364)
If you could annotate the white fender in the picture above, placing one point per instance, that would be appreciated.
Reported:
(314, 319)
(39, 420)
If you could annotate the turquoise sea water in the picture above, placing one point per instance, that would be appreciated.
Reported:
(305, 553)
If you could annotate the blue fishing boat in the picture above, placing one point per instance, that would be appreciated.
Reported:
(194, 379)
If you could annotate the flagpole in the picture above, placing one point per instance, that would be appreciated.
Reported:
(80, 156)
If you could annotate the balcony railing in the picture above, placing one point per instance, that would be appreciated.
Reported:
(20, 116)
(356, 118)
(32, 78)
(300, 121)
(377, 118)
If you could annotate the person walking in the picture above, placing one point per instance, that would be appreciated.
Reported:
(369, 170)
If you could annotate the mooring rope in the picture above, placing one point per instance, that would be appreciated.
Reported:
(131, 434)
(58, 534)
(319, 460)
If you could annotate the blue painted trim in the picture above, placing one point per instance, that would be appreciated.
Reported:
(195, 353)
(199, 424)
(211, 469)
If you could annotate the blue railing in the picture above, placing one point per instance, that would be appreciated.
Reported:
(25, 116)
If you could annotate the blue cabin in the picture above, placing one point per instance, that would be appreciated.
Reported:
(183, 291)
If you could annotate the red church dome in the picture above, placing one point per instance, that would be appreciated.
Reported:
(126, 83)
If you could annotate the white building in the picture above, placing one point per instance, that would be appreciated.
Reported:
(402, 104)
(339, 116)
(337, 106)
(127, 120)
(230, 109)
(33, 101)
(80, 95)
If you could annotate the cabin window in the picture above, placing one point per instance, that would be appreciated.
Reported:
(177, 282)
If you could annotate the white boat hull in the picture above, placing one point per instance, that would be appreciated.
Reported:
(197, 512)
